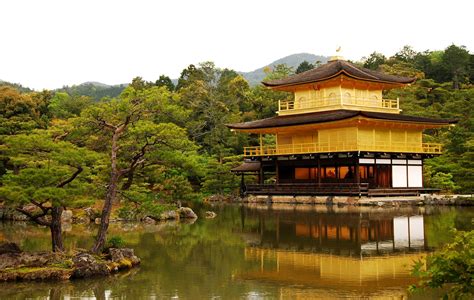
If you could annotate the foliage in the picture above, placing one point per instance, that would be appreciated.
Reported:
(165, 81)
(136, 131)
(115, 242)
(303, 67)
(21, 112)
(45, 175)
(64, 106)
(141, 202)
(93, 90)
(456, 62)
(450, 268)
(219, 179)
(39, 164)
(443, 181)
(374, 61)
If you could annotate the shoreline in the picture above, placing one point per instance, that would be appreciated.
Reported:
(432, 200)
(17, 265)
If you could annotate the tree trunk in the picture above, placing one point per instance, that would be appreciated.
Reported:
(456, 81)
(106, 210)
(56, 229)
(110, 196)
(55, 294)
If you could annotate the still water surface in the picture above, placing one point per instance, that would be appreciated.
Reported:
(258, 252)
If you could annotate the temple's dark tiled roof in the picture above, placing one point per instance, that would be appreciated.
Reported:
(328, 116)
(335, 68)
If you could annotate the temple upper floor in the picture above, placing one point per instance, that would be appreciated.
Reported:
(337, 97)
(338, 85)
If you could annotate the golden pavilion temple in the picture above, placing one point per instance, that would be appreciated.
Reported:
(339, 136)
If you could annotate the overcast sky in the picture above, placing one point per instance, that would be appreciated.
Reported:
(48, 44)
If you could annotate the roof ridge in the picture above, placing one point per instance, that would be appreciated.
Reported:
(361, 70)
(335, 68)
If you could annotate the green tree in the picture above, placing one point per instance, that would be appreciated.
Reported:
(189, 75)
(406, 54)
(374, 61)
(276, 72)
(219, 179)
(443, 181)
(303, 67)
(456, 61)
(165, 81)
(126, 129)
(46, 176)
(215, 98)
(64, 106)
(21, 112)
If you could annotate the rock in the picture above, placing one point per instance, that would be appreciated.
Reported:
(380, 203)
(6, 247)
(86, 265)
(11, 214)
(187, 213)
(210, 215)
(125, 257)
(25, 259)
(91, 213)
(82, 220)
(66, 216)
(222, 198)
(169, 215)
(97, 220)
(148, 220)
(66, 227)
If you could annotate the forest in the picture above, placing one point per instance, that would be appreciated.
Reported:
(158, 144)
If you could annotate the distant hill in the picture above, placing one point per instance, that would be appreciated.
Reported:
(294, 60)
(95, 90)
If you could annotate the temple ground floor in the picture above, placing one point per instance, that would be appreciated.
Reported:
(353, 174)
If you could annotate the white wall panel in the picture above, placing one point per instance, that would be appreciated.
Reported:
(415, 176)
(417, 232)
(399, 176)
(399, 161)
(400, 232)
(366, 161)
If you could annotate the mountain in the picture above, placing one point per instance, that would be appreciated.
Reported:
(95, 90)
(294, 60)
(97, 84)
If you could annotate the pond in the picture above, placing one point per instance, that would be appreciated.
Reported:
(257, 252)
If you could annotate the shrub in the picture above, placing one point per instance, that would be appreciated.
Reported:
(450, 268)
(115, 242)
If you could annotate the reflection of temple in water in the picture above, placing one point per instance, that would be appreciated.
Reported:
(344, 249)
(344, 232)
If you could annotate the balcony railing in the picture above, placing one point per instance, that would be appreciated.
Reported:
(328, 102)
(427, 148)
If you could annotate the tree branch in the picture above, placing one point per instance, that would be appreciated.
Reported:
(35, 218)
(73, 176)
